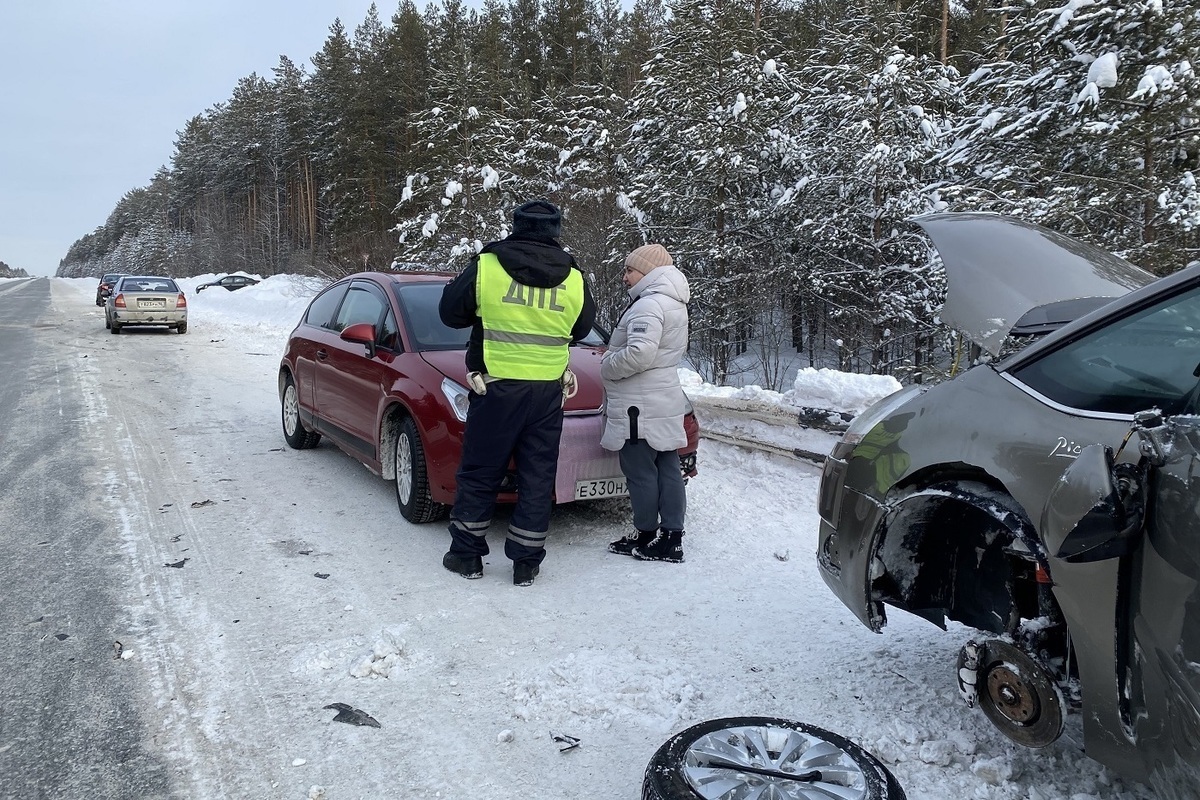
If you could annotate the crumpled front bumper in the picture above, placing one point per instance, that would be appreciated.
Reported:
(846, 543)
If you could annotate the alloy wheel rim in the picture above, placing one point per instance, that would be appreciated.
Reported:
(711, 766)
(291, 411)
(403, 469)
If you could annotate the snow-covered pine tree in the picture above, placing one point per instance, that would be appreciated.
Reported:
(699, 171)
(375, 113)
(476, 156)
(583, 121)
(581, 129)
(332, 91)
(1085, 122)
(292, 127)
(871, 119)
(563, 30)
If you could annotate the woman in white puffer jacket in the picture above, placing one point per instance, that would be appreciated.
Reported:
(645, 404)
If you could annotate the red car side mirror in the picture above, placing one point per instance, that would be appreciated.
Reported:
(363, 333)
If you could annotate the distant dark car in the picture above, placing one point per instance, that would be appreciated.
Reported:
(105, 286)
(985, 499)
(230, 282)
(145, 300)
(372, 367)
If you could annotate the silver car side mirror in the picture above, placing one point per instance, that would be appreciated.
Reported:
(1095, 511)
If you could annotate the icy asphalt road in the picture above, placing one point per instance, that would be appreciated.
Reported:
(252, 585)
(70, 713)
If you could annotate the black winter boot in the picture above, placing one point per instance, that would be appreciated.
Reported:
(469, 567)
(624, 546)
(666, 546)
(524, 572)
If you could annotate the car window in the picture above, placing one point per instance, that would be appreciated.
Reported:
(148, 285)
(389, 334)
(1144, 360)
(362, 304)
(598, 337)
(320, 310)
(419, 302)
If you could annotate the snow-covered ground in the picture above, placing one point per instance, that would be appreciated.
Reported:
(469, 679)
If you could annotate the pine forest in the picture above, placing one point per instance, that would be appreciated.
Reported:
(777, 149)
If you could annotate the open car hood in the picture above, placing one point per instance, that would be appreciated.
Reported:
(1001, 271)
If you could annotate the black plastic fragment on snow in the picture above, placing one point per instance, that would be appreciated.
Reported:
(353, 716)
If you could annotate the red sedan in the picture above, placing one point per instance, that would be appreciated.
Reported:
(372, 367)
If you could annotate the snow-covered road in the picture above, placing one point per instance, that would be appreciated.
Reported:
(263, 584)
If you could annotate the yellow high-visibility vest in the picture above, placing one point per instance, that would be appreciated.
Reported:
(526, 329)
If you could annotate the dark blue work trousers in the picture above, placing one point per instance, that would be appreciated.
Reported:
(517, 421)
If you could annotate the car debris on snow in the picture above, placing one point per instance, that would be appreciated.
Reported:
(353, 716)
(565, 741)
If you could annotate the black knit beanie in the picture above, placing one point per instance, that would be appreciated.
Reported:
(537, 218)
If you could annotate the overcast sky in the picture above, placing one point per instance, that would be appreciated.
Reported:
(92, 93)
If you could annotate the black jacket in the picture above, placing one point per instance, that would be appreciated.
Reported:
(530, 260)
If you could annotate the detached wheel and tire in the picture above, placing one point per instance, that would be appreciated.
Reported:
(765, 757)
(412, 477)
(294, 432)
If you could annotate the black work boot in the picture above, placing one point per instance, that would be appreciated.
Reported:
(624, 546)
(666, 546)
(524, 572)
(470, 567)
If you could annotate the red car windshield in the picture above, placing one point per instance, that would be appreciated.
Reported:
(420, 304)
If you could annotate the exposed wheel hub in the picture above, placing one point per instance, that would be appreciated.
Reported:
(1012, 696)
(1019, 695)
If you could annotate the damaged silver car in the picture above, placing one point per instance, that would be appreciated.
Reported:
(1044, 497)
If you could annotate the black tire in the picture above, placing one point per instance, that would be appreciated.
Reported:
(114, 329)
(181, 327)
(778, 751)
(294, 432)
(412, 477)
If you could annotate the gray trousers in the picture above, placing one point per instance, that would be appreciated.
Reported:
(656, 489)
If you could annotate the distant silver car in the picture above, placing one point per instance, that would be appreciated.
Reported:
(145, 300)
(956, 502)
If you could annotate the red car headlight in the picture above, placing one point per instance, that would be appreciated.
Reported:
(458, 396)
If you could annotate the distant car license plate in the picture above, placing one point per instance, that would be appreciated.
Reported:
(604, 487)
(152, 304)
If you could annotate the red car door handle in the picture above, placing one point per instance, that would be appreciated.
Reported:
(322, 354)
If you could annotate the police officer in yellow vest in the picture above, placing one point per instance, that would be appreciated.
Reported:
(525, 301)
